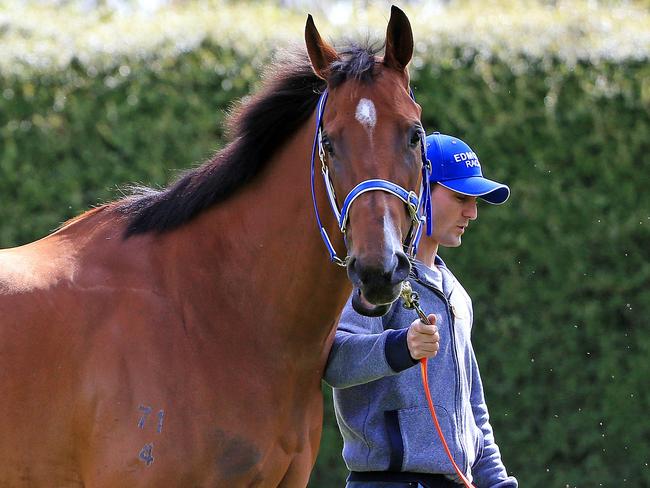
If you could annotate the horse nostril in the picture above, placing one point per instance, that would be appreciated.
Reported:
(402, 268)
(353, 273)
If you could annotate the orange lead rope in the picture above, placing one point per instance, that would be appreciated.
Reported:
(427, 392)
(411, 301)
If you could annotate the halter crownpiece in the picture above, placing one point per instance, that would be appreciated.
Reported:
(419, 207)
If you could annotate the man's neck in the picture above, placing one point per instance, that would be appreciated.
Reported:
(427, 251)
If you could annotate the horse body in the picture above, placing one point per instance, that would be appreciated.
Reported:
(135, 348)
(190, 354)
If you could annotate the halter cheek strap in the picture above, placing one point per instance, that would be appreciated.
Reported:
(419, 207)
(317, 145)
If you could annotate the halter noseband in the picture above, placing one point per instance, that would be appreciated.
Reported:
(419, 206)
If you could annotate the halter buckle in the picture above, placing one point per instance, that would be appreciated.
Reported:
(321, 151)
(413, 207)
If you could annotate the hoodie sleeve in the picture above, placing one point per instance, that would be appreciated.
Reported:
(488, 470)
(363, 351)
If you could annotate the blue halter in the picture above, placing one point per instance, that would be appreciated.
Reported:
(419, 207)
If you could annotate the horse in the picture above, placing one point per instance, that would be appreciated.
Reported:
(177, 337)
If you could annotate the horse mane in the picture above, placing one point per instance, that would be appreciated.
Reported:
(256, 128)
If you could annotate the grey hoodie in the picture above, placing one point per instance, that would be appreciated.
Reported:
(379, 399)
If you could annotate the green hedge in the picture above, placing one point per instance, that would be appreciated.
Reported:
(70, 140)
(560, 275)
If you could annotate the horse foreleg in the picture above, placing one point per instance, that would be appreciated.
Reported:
(297, 475)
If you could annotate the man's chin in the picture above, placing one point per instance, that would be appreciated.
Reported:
(452, 242)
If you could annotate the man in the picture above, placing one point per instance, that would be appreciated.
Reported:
(389, 436)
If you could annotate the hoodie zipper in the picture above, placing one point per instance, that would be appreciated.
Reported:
(457, 400)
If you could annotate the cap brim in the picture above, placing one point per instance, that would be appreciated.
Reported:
(477, 186)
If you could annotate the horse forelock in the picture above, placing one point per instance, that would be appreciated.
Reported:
(256, 127)
(356, 63)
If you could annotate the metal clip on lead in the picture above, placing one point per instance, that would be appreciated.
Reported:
(411, 301)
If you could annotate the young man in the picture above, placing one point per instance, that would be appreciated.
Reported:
(389, 436)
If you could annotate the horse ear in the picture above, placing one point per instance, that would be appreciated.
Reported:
(321, 54)
(399, 40)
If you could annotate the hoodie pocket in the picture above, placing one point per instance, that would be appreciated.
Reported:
(423, 449)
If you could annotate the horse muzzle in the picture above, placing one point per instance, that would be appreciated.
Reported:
(377, 285)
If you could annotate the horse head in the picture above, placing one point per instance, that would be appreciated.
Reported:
(371, 138)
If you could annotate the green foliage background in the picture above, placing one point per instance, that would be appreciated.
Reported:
(560, 275)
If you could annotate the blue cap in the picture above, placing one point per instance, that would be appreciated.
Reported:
(455, 166)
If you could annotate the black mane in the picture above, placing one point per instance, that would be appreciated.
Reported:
(257, 129)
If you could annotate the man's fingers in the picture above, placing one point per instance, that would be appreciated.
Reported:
(424, 351)
(423, 340)
(430, 347)
(430, 339)
(423, 328)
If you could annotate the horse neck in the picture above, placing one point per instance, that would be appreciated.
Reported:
(263, 250)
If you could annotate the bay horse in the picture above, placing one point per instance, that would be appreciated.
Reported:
(177, 337)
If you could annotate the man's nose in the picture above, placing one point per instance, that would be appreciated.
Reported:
(471, 211)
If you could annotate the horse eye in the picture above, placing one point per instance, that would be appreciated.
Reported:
(416, 137)
(327, 145)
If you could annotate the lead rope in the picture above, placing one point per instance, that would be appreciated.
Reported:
(412, 302)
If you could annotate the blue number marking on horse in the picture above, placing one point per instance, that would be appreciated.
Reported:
(146, 454)
(161, 418)
(145, 413)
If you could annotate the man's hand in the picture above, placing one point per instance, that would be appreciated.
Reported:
(423, 340)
